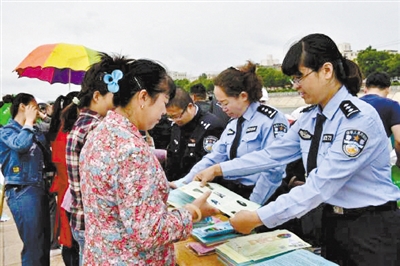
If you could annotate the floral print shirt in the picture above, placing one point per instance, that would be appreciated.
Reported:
(124, 191)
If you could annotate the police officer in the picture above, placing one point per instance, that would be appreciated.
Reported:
(350, 171)
(253, 127)
(193, 134)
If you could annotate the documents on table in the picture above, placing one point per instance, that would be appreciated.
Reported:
(222, 198)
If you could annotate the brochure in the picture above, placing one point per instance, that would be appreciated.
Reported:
(222, 198)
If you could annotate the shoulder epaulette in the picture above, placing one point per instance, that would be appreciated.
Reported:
(266, 110)
(308, 108)
(348, 108)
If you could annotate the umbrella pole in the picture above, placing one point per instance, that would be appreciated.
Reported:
(69, 80)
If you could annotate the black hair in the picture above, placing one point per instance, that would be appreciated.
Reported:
(146, 75)
(199, 91)
(379, 80)
(57, 119)
(314, 50)
(233, 81)
(23, 98)
(93, 81)
(6, 99)
(181, 100)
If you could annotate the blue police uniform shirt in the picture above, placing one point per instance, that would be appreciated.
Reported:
(259, 130)
(353, 167)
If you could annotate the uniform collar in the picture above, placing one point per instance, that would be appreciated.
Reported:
(333, 105)
(251, 110)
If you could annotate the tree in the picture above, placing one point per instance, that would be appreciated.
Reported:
(182, 83)
(371, 60)
(272, 77)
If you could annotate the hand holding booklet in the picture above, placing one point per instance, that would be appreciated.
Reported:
(222, 198)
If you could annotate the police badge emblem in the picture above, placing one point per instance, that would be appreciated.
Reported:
(208, 142)
(279, 129)
(354, 142)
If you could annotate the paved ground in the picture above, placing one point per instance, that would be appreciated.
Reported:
(11, 244)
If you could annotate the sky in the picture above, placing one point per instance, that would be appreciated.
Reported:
(194, 37)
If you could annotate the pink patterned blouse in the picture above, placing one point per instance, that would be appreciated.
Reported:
(124, 191)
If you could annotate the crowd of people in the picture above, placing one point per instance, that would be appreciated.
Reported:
(119, 145)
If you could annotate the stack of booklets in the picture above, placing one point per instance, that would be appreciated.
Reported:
(217, 233)
(222, 198)
(257, 249)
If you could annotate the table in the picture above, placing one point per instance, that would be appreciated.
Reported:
(186, 257)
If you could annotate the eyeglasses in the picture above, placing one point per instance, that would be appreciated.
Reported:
(297, 80)
(222, 105)
(175, 117)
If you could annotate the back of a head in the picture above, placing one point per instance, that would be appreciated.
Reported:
(313, 51)
(143, 74)
(379, 80)
(58, 117)
(199, 90)
(233, 81)
(181, 100)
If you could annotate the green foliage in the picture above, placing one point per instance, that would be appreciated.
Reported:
(371, 60)
(272, 77)
(183, 83)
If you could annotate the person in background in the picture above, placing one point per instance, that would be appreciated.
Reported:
(194, 132)
(88, 108)
(253, 127)
(124, 187)
(264, 98)
(5, 106)
(22, 161)
(45, 117)
(377, 88)
(58, 132)
(218, 112)
(198, 93)
(344, 148)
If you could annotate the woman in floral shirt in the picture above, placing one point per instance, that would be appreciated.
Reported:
(123, 185)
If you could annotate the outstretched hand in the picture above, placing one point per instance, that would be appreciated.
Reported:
(245, 221)
(206, 209)
(208, 175)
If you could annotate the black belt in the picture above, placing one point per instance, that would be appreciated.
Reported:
(388, 206)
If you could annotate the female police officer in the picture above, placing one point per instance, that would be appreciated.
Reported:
(350, 172)
(252, 128)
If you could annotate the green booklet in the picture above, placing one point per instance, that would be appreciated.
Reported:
(396, 178)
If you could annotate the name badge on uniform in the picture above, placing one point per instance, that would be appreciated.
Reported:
(354, 142)
(230, 132)
(304, 134)
(251, 129)
(327, 138)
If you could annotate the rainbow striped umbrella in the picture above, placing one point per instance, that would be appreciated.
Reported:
(58, 63)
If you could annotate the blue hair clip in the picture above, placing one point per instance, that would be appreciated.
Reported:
(112, 80)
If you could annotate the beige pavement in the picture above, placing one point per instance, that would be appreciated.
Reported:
(11, 244)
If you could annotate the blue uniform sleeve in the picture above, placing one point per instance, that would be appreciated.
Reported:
(18, 141)
(281, 152)
(335, 169)
(217, 155)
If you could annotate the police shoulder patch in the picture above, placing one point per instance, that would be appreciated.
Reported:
(348, 108)
(266, 110)
(208, 142)
(308, 108)
(354, 142)
(279, 129)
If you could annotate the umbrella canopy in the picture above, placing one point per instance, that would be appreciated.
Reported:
(58, 63)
